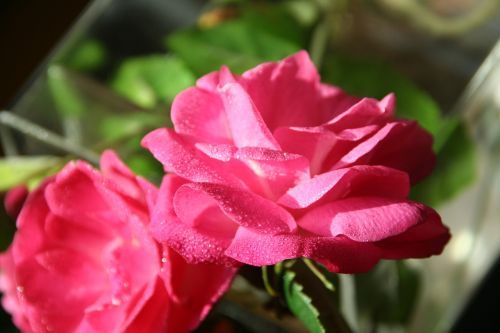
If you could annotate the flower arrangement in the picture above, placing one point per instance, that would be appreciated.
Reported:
(269, 166)
(265, 169)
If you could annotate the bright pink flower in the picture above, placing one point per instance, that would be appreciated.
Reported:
(83, 261)
(273, 164)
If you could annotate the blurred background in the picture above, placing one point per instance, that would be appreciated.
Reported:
(81, 76)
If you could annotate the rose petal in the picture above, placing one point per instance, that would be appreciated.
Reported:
(367, 111)
(193, 244)
(242, 207)
(286, 92)
(338, 254)
(341, 254)
(179, 157)
(266, 172)
(192, 300)
(363, 219)
(200, 113)
(8, 286)
(14, 200)
(422, 240)
(115, 170)
(319, 145)
(362, 180)
(400, 145)
(246, 124)
(253, 248)
(64, 197)
(153, 316)
(30, 225)
(75, 283)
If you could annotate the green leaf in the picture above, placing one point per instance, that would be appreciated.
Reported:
(455, 170)
(115, 127)
(150, 80)
(21, 170)
(66, 96)
(258, 35)
(139, 160)
(88, 55)
(311, 300)
(142, 163)
(301, 304)
(388, 293)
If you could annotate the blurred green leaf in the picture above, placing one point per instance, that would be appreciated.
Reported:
(388, 293)
(305, 11)
(88, 55)
(455, 167)
(142, 163)
(117, 126)
(125, 132)
(66, 96)
(147, 81)
(258, 35)
(21, 170)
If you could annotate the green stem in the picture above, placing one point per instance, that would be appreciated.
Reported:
(35, 131)
(267, 282)
(318, 43)
(8, 144)
(316, 271)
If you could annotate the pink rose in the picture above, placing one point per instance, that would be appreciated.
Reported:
(273, 165)
(83, 261)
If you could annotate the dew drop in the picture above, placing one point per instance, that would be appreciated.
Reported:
(115, 301)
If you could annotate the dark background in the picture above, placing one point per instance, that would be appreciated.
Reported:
(29, 29)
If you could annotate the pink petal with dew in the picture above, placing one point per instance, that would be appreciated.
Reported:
(338, 254)
(64, 196)
(154, 315)
(266, 172)
(422, 240)
(319, 145)
(183, 159)
(8, 286)
(75, 283)
(246, 124)
(400, 145)
(195, 245)
(200, 114)
(286, 92)
(341, 254)
(29, 237)
(243, 208)
(363, 219)
(122, 178)
(367, 111)
(253, 248)
(360, 180)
